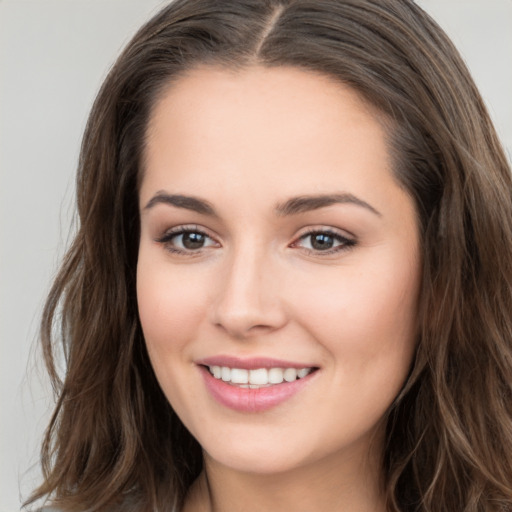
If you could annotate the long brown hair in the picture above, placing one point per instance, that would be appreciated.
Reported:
(114, 440)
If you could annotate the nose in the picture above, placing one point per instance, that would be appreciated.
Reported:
(249, 301)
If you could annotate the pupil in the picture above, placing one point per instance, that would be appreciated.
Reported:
(322, 242)
(193, 240)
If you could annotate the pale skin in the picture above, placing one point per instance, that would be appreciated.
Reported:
(243, 271)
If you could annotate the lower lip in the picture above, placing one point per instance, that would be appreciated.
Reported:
(255, 399)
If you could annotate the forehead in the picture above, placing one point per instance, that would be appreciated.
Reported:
(253, 96)
(278, 128)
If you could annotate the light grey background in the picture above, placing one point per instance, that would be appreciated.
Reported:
(53, 56)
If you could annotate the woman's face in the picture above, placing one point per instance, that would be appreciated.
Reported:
(279, 254)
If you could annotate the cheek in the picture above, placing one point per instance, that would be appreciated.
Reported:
(170, 312)
(169, 303)
(367, 317)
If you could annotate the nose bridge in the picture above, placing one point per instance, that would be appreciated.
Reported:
(247, 301)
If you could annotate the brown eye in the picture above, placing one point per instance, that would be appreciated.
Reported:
(193, 240)
(326, 242)
(322, 241)
(185, 241)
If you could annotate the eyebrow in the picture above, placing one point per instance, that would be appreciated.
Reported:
(293, 206)
(303, 204)
(180, 201)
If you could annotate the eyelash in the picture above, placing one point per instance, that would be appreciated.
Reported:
(167, 238)
(345, 243)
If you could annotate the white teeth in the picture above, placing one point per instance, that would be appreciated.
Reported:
(225, 373)
(303, 372)
(239, 376)
(290, 374)
(259, 377)
(275, 375)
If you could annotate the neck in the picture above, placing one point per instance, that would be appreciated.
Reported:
(324, 486)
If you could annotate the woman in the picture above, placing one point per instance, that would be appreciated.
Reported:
(291, 286)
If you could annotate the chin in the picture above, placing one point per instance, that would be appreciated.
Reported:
(256, 463)
(256, 457)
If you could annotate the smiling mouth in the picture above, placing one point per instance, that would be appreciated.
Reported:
(259, 377)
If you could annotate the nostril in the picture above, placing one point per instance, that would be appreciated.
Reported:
(242, 330)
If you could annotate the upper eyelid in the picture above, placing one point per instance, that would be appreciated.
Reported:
(186, 228)
(343, 233)
(303, 231)
(334, 234)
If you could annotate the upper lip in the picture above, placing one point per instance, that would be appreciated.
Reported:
(251, 363)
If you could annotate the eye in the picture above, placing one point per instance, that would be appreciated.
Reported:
(324, 241)
(186, 240)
